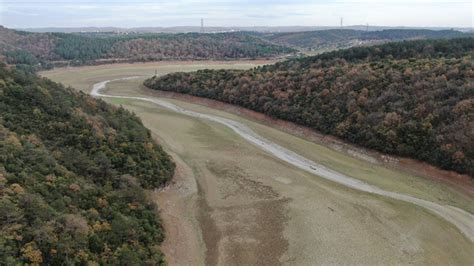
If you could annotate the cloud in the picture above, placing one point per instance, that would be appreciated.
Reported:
(7, 10)
(127, 13)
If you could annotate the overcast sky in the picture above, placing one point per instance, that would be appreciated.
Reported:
(80, 13)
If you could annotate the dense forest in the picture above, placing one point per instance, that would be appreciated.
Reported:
(324, 40)
(73, 174)
(410, 98)
(32, 51)
(40, 49)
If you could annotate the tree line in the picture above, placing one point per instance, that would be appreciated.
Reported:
(411, 98)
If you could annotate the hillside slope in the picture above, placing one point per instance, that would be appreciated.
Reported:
(323, 40)
(35, 48)
(72, 176)
(411, 98)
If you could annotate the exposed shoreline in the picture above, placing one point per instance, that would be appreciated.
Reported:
(463, 220)
(461, 182)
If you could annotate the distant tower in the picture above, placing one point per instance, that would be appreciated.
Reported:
(202, 25)
(342, 22)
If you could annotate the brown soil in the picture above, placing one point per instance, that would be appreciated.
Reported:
(175, 201)
(462, 183)
(242, 220)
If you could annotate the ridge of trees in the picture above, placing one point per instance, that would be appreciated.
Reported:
(40, 49)
(325, 40)
(411, 98)
(32, 51)
(393, 50)
(73, 174)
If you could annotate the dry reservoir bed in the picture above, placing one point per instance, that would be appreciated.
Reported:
(232, 203)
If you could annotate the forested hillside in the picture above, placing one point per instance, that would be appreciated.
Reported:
(32, 51)
(72, 176)
(34, 48)
(336, 39)
(411, 98)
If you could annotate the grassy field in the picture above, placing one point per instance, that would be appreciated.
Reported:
(250, 208)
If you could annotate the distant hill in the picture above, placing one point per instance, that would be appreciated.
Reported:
(215, 29)
(73, 171)
(26, 48)
(326, 40)
(409, 98)
(30, 50)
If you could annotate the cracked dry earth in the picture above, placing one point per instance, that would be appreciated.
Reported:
(246, 225)
(239, 219)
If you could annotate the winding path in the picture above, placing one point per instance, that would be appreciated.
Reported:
(463, 220)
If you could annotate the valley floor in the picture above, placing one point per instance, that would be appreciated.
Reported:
(232, 203)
